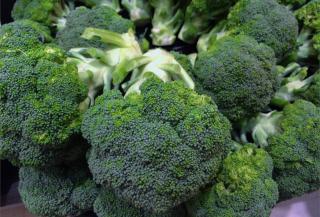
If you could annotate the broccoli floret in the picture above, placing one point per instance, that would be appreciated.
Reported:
(244, 187)
(40, 108)
(163, 65)
(107, 204)
(167, 20)
(47, 12)
(267, 22)
(156, 149)
(309, 15)
(312, 94)
(114, 4)
(199, 17)
(81, 18)
(139, 11)
(57, 191)
(292, 139)
(239, 74)
(316, 44)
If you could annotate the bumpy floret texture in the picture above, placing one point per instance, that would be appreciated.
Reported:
(107, 204)
(244, 187)
(100, 17)
(156, 149)
(267, 22)
(238, 73)
(309, 14)
(57, 192)
(42, 11)
(296, 149)
(39, 108)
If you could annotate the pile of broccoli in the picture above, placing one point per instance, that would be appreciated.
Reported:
(173, 108)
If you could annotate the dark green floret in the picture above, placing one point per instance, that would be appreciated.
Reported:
(239, 74)
(57, 191)
(244, 187)
(81, 18)
(156, 149)
(40, 108)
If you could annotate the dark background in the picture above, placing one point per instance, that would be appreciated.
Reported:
(6, 7)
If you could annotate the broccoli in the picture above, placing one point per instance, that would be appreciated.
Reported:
(264, 20)
(199, 17)
(294, 82)
(114, 4)
(47, 12)
(166, 21)
(309, 14)
(161, 64)
(81, 18)
(101, 69)
(239, 74)
(139, 11)
(40, 108)
(57, 191)
(312, 94)
(292, 139)
(158, 148)
(107, 204)
(244, 187)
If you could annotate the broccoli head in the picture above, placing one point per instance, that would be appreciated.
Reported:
(47, 12)
(107, 204)
(267, 22)
(292, 139)
(312, 94)
(158, 148)
(166, 21)
(199, 17)
(309, 15)
(238, 73)
(57, 191)
(40, 108)
(81, 18)
(244, 187)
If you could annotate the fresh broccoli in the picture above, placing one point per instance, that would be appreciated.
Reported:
(199, 17)
(292, 139)
(163, 65)
(294, 83)
(81, 18)
(156, 149)
(114, 4)
(106, 69)
(309, 15)
(167, 20)
(312, 94)
(107, 204)
(139, 11)
(264, 20)
(316, 44)
(244, 187)
(239, 74)
(47, 12)
(57, 191)
(40, 108)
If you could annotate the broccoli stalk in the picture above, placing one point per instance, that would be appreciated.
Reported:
(163, 65)
(114, 4)
(139, 10)
(294, 81)
(167, 19)
(102, 68)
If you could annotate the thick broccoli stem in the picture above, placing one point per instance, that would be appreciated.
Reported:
(294, 81)
(114, 4)
(139, 10)
(262, 127)
(167, 19)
